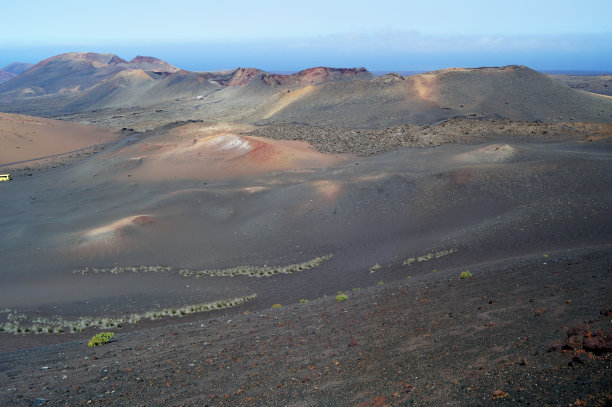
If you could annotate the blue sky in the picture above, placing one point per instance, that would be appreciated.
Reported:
(286, 35)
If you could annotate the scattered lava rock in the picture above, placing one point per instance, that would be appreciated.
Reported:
(555, 346)
(598, 343)
(540, 311)
(499, 394)
(585, 343)
(581, 356)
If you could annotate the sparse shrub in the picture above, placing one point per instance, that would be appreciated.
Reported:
(409, 261)
(101, 339)
(276, 306)
(380, 283)
(341, 297)
(465, 274)
(303, 301)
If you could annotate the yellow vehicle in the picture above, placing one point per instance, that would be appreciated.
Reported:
(5, 177)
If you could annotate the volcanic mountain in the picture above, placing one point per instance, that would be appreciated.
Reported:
(515, 92)
(75, 82)
(74, 72)
(81, 84)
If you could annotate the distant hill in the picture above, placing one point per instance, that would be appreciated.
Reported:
(17, 68)
(75, 72)
(74, 82)
(6, 76)
(601, 84)
(64, 73)
(149, 64)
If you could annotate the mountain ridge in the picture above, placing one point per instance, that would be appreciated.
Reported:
(77, 83)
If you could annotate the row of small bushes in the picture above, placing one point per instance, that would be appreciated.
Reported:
(59, 325)
(250, 271)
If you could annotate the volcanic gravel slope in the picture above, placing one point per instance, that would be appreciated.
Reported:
(505, 336)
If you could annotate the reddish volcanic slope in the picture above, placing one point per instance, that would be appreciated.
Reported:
(198, 151)
(242, 76)
(317, 75)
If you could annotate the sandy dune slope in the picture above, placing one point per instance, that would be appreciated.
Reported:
(25, 138)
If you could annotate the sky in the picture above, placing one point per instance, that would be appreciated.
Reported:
(290, 35)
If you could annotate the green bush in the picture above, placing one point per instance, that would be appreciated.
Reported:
(101, 339)
(341, 297)
(465, 274)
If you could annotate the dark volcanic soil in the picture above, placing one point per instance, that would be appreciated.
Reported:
(497, 338)
(364, 142)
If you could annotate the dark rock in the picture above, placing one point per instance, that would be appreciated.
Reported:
(555, 346)
(597, 343)
(582, 357)
(574, 342)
